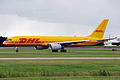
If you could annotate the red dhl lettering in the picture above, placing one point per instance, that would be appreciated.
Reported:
(98, 31)
(30, 40)
(22, 40)
(37, 41)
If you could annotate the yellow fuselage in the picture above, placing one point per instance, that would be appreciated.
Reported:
(44, 40)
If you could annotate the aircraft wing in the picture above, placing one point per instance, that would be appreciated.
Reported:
(111, 38)
(107, 39)
(72, 42)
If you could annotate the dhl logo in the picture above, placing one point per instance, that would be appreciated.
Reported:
(30, 40)
(98, 31)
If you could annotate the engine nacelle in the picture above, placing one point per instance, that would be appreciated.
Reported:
(40, 47)
(55, 46)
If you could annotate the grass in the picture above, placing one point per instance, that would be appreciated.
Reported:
(63, 78)
(60, 68)
(48, 53)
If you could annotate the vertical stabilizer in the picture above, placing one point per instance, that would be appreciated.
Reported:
(100, 30)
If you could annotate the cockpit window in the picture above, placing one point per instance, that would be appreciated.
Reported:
(9, 40)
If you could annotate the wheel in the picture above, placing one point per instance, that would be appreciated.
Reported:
(63, 50)
(54, 50)
(17, 51)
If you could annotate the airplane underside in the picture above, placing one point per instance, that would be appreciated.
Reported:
(55, 48)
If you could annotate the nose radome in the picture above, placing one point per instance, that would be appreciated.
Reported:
(4, 42)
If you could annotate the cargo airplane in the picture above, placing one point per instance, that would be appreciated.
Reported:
(56, 43)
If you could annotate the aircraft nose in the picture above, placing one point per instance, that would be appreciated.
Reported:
(4, 42)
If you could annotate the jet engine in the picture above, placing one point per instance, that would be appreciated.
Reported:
(40, 47)
(55, 46)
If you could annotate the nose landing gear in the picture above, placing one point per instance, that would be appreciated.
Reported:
(16, 49)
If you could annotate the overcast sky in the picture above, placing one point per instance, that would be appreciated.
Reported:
(58, 17)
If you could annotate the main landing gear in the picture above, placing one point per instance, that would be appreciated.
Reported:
(62, 50)
(54, 50)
